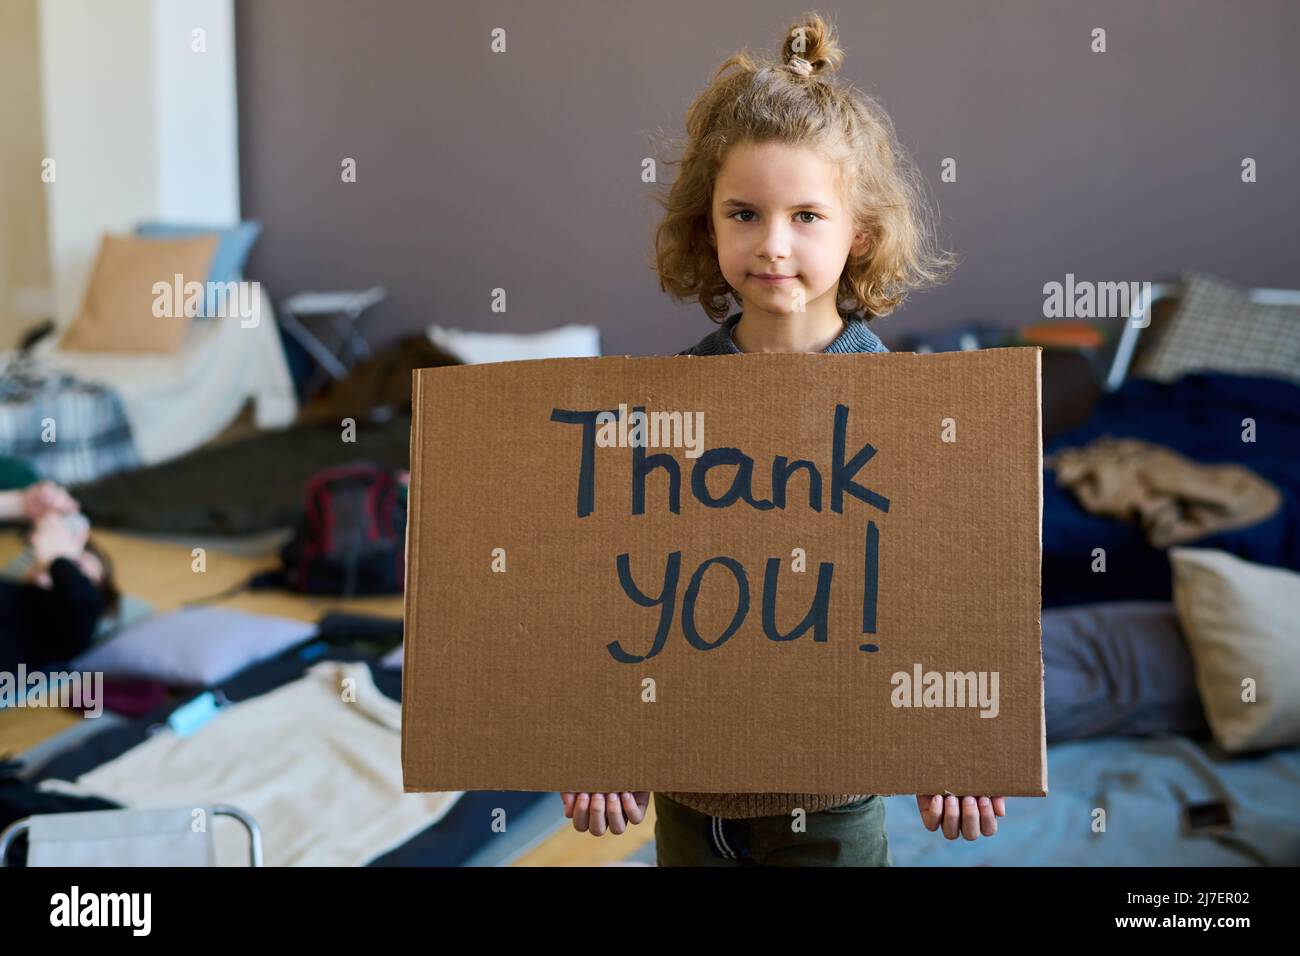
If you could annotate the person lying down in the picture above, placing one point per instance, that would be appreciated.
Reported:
(50, 616)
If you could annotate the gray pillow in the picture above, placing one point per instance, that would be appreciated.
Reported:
(194, 646)
(1118, 669)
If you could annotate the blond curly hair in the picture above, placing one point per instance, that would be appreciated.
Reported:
(797, 103)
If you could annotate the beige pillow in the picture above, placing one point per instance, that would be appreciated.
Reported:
(1218, 328)
(117, 313)
(1242, 620)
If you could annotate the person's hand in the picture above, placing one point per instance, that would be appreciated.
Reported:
(45, 497)
(597, 812)
(969, 816)
(54, 538)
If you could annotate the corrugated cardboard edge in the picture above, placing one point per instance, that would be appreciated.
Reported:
(1042, 669)
(408, 604)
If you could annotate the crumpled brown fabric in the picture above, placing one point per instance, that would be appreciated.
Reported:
(1174, 499)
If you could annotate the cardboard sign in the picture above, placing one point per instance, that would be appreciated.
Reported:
(803, 573)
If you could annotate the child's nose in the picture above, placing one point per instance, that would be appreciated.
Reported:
(776, 244)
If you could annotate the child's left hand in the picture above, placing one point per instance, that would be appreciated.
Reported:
(969, 816)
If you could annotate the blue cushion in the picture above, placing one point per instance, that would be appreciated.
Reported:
(235, 244)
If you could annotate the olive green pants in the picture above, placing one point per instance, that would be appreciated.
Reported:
(852, 835)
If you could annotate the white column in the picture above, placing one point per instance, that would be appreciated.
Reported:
(196, 120)
(139, 125)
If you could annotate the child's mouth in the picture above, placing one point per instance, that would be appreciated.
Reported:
(773, 280)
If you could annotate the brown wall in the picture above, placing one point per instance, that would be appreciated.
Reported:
(521, 170)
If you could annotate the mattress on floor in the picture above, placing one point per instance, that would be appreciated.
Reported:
(464, 831)
(1142, 784)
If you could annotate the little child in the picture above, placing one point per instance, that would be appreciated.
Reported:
(796, 200)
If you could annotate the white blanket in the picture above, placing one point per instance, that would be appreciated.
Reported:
(317, 762)
(175, 403)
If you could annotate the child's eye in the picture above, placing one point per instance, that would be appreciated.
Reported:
(805, 212)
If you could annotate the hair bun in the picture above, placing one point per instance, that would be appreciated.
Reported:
(809, 47)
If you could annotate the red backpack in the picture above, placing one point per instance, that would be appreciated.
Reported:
(352, 538)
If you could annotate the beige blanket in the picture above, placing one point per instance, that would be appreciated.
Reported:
(1174, 499)
(317, 763)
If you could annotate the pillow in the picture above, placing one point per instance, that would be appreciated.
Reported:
(117, 311)
(473, 348)
(1118, 669)
(1217, 328)
(194, 646)
(1242, 620)
(234, 243)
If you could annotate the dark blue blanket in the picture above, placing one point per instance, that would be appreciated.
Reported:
(1199, 416)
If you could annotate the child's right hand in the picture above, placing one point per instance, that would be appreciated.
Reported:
(597, 812)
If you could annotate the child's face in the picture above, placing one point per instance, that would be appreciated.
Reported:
(760, 224)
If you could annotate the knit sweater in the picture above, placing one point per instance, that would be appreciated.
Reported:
(856, 337)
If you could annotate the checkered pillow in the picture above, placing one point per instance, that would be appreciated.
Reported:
(1217, 328)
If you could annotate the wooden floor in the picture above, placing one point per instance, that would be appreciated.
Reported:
(161, 572)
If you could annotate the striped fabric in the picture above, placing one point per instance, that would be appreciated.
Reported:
(856, 337)
(90, 432)
(1217, 328)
